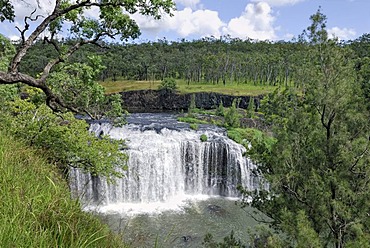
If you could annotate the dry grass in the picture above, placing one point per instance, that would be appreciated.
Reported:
(183, 87)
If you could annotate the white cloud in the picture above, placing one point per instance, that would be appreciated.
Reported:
(185, 23)
(256, 22)
(92, 12)
(279, 2)
(188, 3)
(14, 38)
(25, 8)
(288, 36)
(341, 33)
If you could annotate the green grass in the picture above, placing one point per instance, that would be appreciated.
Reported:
(229, 89)
(36, 209)
(192, 120)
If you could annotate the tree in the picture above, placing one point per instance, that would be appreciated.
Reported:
(318, 169)
(168, 85)
(7, 50)
(41, 117)
(114, 21)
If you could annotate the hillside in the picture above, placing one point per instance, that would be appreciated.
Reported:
(36, 208)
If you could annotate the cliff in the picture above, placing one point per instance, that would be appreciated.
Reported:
(167, 101)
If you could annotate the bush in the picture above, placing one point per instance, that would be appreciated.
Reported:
(168, 84)
(257, 142)
(192, 106)
(194, 126)
(220, 111)
(250, 109)
(232, 117)
(189, 119)
(64, 139)
(203, 138)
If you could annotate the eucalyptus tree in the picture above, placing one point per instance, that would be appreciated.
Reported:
(319, 167)
(361, 47)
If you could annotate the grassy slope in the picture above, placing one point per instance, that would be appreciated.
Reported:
(183, 87)
(36, 209)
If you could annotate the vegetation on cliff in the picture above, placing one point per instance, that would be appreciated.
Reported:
(36, 205)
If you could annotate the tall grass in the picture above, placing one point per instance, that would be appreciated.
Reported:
(36, 209)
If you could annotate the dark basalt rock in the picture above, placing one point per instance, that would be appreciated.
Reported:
(167, 101)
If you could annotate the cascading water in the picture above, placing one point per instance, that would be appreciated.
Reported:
(167, 160)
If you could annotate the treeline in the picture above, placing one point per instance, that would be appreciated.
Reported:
(209, 60)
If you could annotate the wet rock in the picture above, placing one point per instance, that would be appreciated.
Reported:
(216, 210)
(186, 238)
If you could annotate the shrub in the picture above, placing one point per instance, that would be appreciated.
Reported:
(192, 106)
(194, 126)
(232, 117)
(220, 111)
(250, 108)
(168, 84)
(190, 119)
(203, 138)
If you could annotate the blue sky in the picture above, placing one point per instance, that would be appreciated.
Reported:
(259, 19)
(256, 19)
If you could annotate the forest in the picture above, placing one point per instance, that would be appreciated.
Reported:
(209, 60)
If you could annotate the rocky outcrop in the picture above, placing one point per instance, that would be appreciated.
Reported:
(166, 101)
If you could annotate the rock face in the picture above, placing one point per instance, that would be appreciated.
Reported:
(166, 101)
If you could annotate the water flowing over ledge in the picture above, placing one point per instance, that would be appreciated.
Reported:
(168, 163)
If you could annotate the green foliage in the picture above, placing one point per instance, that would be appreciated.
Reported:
(263, 237)
(363, 74)
(203, 138)
(6, 11)
(168, 84)
(7, 50)
(250, 109)
(258, 143)
(194, 126)
(277, 106)
(220, 111)
(191, 120)
(305, 234)
(75, 84)
(7, 93)
(232, 116)
(63, 138)
(318, 167)
(192, 106)
(229, 241)
(36, 206)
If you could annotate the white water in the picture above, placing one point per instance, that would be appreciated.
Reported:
(166, 168)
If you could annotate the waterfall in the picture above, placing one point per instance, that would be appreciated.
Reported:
(165, 163)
